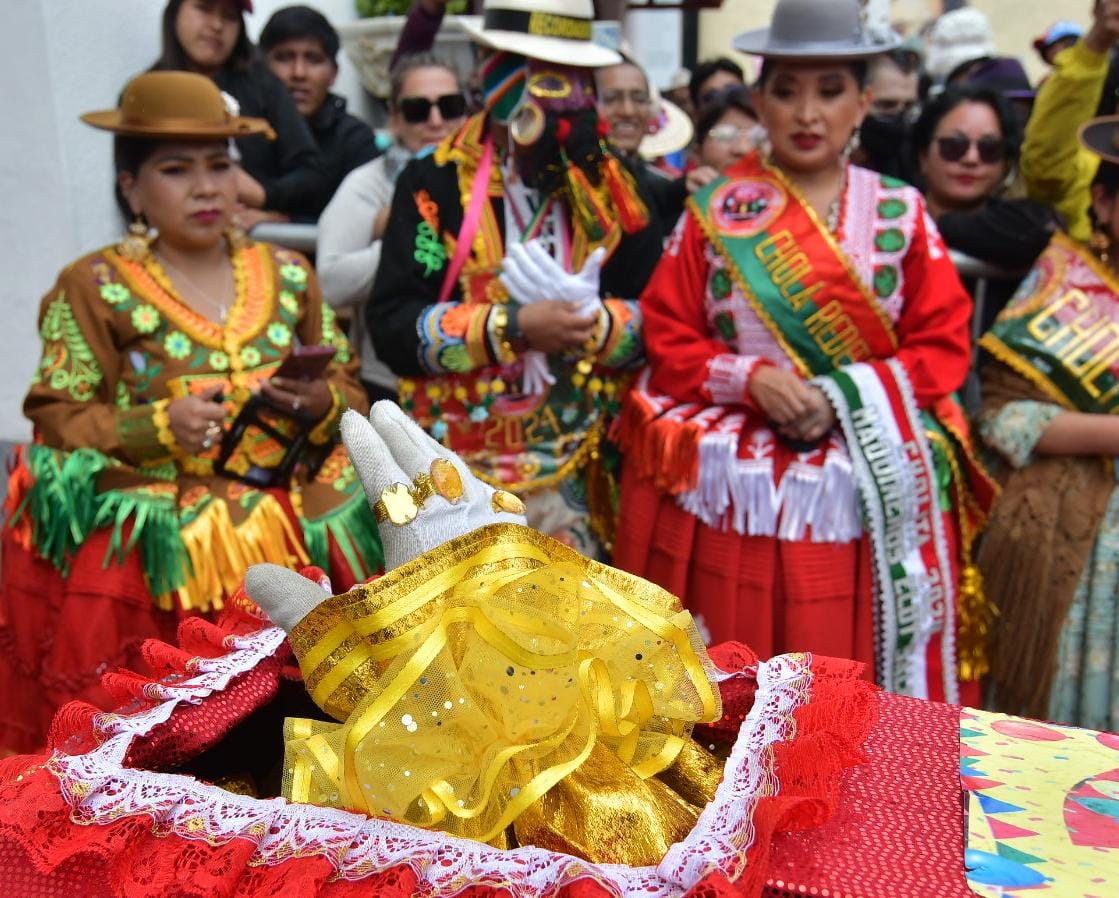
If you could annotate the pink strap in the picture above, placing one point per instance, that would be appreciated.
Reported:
(479, 193)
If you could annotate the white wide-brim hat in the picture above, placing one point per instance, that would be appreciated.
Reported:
(817, 29)
(957, 37)
(556, 31)
(675, 132)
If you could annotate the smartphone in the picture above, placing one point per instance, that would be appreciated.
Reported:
(306, 363)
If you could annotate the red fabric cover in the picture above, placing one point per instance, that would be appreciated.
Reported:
(43, 848)
(898, 830)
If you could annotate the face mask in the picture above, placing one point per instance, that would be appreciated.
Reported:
(884, 135)
(503, 84)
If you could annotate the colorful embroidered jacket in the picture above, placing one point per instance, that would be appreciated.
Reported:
(453, 380)
(118, 347)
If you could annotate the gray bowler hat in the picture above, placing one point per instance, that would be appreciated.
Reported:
(817, 29)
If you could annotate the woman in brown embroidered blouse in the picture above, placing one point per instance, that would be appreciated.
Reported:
(118, 523)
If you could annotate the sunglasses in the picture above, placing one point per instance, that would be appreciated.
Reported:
(728, 133)
(954, 148)
(417, 110)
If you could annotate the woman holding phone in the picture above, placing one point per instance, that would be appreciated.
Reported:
(119, 522)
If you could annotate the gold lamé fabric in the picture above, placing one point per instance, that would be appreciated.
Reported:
(503, 680)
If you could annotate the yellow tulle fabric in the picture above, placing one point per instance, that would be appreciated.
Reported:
(474, 680)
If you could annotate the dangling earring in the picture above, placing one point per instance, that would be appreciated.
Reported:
(1100, 243)
(237, 239)
(852, 145)
(137, 243)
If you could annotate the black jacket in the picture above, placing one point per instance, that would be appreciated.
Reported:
(665, 196)
(344, 141)
(1010, 234)
(290, 168)
(402, 289)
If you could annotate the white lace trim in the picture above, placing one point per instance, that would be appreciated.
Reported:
(100, 790)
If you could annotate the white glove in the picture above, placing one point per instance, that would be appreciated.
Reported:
(531, 274)
(390, 450)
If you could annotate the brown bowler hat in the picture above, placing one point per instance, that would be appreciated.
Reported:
(175, 105)
(1101, 136)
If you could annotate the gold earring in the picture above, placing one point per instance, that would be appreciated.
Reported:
(1100, 243)
(137, 243)
(237, 239)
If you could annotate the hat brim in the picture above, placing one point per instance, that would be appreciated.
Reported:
(675, 135)
(238, 126)
(1101, 136)
(550, 49)
(759, 43)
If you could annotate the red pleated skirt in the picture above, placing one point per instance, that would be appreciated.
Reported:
(775, 595)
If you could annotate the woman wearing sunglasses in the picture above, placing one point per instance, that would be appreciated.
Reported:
(1050, 557)
(426, 104)
(967, 142)
(805, 329)
(726, 129)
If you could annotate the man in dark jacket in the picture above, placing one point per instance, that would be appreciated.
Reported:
(301, 49)
(514, 254)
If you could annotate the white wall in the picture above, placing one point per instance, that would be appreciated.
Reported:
(62, 58)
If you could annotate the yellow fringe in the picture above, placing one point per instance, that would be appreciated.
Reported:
(220, 553)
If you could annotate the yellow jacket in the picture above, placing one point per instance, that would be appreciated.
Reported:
(1055, 168)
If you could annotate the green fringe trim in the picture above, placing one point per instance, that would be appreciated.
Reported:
(354, 530)
(155, 526)
(63, 501)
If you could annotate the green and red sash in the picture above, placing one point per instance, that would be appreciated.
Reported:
(796, 277)
(1061, 329)
(805, 290)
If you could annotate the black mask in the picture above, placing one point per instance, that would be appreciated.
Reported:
(883, 136)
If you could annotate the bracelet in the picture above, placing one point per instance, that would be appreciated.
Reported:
(500, 325)
(513, 333)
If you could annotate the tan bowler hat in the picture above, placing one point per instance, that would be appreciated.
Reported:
(175, 105)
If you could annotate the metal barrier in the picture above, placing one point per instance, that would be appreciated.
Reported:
(981, 273)
(300, 237)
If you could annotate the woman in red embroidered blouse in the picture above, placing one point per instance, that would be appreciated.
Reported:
(804, 328)
(118, 523)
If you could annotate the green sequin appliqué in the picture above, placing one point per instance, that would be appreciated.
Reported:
(68, 364)
(331, 336)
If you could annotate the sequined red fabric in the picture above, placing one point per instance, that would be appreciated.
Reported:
(898, 829)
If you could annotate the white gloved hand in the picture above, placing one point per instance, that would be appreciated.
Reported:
(389, 451)
(537, 377)
(530, 274)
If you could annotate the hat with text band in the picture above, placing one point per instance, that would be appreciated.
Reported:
(817, 29)
(175, 106)
(556, 31)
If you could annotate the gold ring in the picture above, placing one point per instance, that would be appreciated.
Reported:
(397, 505)
(505, 501)
(424, 489)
